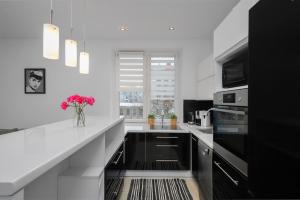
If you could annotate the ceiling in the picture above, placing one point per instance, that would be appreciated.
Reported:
(145, 19)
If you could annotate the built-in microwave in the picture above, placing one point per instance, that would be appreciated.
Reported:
(235, 71)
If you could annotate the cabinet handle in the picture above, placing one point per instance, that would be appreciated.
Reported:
(166, 145)
(229, 111)
(219, 166)
(120, 154)
(205, 152)
(166, 160)
(115, 193)
(164, 137)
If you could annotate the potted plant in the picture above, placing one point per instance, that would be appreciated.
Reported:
(173, 118)
(151, 119)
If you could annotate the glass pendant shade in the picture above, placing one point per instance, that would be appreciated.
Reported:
(84, 62)
(51, 41)
(71, 53)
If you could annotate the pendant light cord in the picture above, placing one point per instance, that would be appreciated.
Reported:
(84, 25)
(71, 19)
(51, 12)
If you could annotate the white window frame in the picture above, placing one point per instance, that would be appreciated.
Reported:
(147, 82)
(163, 54)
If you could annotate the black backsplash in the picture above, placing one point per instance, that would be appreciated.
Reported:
(193, 105)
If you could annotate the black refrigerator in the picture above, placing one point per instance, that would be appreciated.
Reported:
(274, 99)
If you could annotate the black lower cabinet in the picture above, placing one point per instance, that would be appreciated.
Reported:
(228, 183)
(205, 155)
(168, 151)
(195, 156)
(202, 167)
(135, 148)
(157, 151)
(114, 175)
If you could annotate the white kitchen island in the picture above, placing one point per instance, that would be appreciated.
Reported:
(33, 160)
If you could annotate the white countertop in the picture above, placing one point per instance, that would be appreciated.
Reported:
(27, 154)
(185, 128)
(144, 127)
(204, 137)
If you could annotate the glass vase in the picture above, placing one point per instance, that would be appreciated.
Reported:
(79, 118)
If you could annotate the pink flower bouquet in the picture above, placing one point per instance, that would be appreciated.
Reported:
(78, 103)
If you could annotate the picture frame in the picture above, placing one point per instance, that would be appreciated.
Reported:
(35, 81)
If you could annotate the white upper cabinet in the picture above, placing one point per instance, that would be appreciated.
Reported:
(234, 28)
(206, 79)
(206, 68)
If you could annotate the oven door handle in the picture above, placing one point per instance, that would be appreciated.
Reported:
(219, 166)
(237, 112)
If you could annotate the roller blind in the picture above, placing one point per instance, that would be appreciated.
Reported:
(131, 71)
(131, 80)
(146, 84)
(163, 78)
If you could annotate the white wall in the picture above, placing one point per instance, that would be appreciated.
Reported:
(23, 110)
(206, 79)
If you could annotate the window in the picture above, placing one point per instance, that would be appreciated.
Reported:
(162, 86)
(131, 85)
(146, 85)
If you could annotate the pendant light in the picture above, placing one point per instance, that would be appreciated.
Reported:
(70, 44)
(51, 39)
(84, 56)
(84, 62)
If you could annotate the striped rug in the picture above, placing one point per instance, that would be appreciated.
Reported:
(158, 189)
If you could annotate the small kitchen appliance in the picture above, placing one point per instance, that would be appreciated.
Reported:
(193, 106)
(205, 118)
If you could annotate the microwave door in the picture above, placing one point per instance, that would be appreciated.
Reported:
(234, 75)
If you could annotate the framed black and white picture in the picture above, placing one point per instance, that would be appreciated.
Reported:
(35, 80)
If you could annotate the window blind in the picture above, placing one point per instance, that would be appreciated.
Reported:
(131, 71)
(163, 78)
(131, 84)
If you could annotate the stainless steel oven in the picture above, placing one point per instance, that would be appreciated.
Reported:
(230, 168)
(230, 114)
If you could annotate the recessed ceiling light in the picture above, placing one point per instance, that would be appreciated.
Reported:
(124, 28)
(172, 28)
